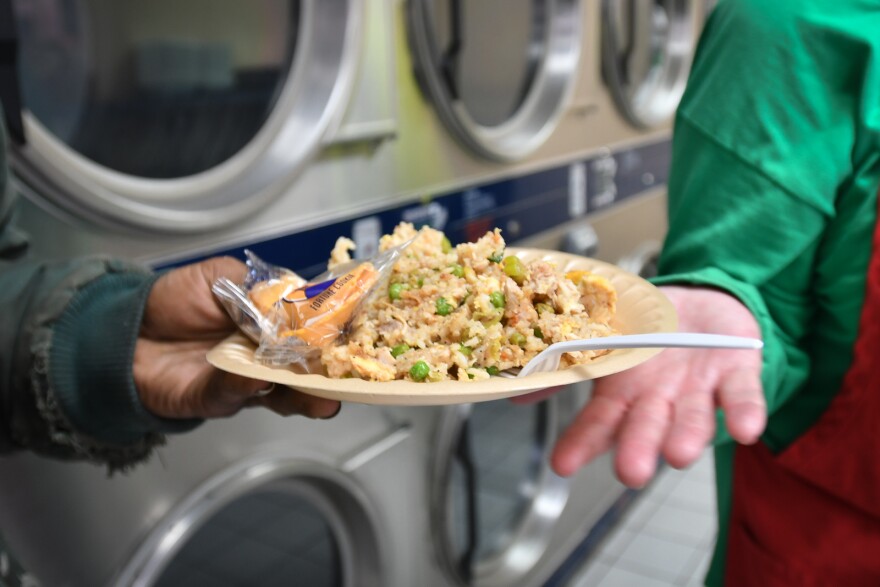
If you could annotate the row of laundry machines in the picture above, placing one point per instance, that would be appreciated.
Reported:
(169, 131)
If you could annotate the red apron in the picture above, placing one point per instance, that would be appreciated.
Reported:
(810, 515)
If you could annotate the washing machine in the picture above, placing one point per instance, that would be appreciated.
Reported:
(167, 132)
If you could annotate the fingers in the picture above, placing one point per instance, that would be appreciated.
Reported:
(288, 402)
(640, 439)
(590, 435)
(242, 392)
(181, 305)
(741, 396)
(223, 394)
(692, 429)
(208, 272)
(265, 391)
(535, 397)
(217, 267)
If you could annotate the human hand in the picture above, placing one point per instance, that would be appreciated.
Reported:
(667, 405)
(182, 321)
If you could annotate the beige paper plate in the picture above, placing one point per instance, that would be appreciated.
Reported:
(641, 309)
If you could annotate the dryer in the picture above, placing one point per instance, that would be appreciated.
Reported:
(157, 128)
(279, 126)
(502, 517)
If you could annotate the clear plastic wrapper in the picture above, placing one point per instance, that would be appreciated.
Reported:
(292, 319)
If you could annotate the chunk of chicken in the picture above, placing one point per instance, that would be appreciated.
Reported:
(597, 295)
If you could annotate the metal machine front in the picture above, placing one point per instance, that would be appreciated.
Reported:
(500, 89)
(265, 522)
(647, 49)
(495, 500)
(210, 126)
(177, 116)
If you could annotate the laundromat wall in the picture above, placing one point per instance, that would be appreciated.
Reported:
(307, 121)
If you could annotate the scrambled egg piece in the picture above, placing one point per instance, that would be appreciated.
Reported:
(597, 294)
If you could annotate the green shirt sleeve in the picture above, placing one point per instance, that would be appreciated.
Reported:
(765, 138)
(773, 194)
(732, 228)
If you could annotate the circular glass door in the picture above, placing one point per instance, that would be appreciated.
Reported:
(647, 47)
(177, 115)
(269, 537)
(496, 499)
(271, 523)
(498, 88)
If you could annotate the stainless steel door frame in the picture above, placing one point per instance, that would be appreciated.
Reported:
(548, 93)
(647, 73)
(310, 106)
(72, 525)
(527, 540)
(343, 503)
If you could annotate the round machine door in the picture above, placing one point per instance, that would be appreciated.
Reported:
(275, 522)
(499, 72)
(178, 115)
(647, 48)
(496, 501)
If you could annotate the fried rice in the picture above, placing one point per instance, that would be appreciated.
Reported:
(465, 312)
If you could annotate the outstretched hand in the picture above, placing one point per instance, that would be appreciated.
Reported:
(667, 405)
(182, 321)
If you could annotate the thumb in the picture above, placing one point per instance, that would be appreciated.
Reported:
(182, 305)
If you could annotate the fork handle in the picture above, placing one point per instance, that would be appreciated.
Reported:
(662, 339)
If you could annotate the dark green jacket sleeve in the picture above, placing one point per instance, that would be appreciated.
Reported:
(67, 336)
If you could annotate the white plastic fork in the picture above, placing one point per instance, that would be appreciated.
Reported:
(548, 359)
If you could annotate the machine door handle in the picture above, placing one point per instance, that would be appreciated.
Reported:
(449, 59)
(464, 455)
(10, 94)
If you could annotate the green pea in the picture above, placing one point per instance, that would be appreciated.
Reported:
(518, 339)
(496, 257)
(514, 269)
(542, 307)
(395, 289)
(458, 270)
(493, 370)
(538, 333)
(445, 245)
(443, 307)
(399, 350)
(497, 299)
(419, 371)
(420, 281)
(465, 350)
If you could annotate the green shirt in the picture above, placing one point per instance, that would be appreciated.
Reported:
(773, 193)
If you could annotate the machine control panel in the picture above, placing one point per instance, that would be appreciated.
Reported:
(521, 206)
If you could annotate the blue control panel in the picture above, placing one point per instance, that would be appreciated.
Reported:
(521, 206)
